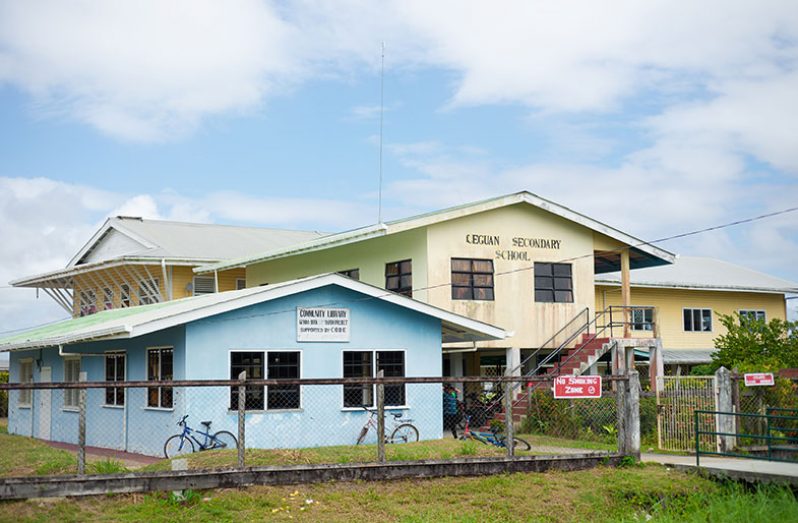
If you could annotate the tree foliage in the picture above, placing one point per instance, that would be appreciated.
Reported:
(752, 343)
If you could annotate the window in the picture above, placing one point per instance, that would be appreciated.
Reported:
(108, 299)
(88, 302)
(203, 285)
(751, 315)
(553, 283)
(149, 291)
(366, 364)
(697, 320)
(71, 375)
(124, 295)
(115, 371)
(399, 277)
(159, 368)
(241, 283)
(278, 365)
(642, 319)
(472, 279)
(25, 376)
(351, 273)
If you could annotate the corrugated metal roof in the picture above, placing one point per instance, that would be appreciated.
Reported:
(646, 252)
(137, 321)
(692, 272)
(208, 241)
(676, 356)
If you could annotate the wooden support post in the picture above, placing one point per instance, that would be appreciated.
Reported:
(626, 292)
(381, 419)
(82, 426)
(242, 405)
(508, 416)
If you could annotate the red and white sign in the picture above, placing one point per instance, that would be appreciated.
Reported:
(577, 387)
(759, 379)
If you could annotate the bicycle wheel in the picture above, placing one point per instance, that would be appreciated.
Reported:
(404, 433)
(362, 435)
(521, 444)
(224, 440)
(177, 446)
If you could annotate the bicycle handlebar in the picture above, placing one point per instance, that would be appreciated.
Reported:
(182, 421)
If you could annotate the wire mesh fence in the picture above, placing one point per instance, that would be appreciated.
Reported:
(96, 427)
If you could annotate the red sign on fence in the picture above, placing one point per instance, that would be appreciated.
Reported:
(577, 387)
(759, 379)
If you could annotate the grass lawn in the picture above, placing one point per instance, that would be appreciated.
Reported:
(21, 456)
(601, 494)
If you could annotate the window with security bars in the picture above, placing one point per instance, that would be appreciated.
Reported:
(108, 299)
(399, 277)
(472, 279)
(203, 285)
(88, 302)
(266, 365)
(351, 273)
(71, 375)
(160, 368)
(697, 320)
(241, 283)
(751, 315)
(642, 319)
(553, 283)
(124, 295)
(366, 364)
(115, 371)
(149, 291)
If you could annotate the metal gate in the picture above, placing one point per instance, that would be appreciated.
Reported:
(677, 398)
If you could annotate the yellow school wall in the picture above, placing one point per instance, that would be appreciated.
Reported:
(671, 302)
(514, 307)
(369, 256)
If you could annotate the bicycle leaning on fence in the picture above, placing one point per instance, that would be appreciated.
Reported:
(494, 437)
(187, 442)
(403, 430)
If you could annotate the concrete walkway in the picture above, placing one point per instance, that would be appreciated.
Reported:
(753, 470)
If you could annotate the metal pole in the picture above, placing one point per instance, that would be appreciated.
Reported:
(242, 400)
(508, 418)
(697, 444)
(381, 419)
(82, 426)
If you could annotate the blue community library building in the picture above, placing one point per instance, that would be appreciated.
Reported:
(271, 332)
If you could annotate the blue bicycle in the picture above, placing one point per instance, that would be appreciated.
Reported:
(187, 442)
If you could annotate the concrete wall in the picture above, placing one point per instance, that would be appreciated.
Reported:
(671, 302)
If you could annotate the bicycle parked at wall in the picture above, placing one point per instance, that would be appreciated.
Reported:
(191, 440)
(494, 437)
(403, 430)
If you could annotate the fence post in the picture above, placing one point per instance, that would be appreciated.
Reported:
(724, 423)
(508, 417)
(620, 403)
(632, 415)
(381, 418)
(242, 404)
(81, 426)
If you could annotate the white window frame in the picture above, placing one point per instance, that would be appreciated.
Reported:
(124, 295)
(160, 370)
(644, 325)
(206, 279)
(702, 309)
(748, 313)
(266, 376)
(149, 291)
(71, 396)
(108, 298)
(87, 302)
(25, 397)
(117, 354)
(373, 375)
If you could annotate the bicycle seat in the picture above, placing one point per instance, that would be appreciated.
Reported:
(396, 415)
(206, 423)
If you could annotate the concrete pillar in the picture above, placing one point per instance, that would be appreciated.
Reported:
(725, 423)
(656, 364)
(457, 368)
(631, 408)
(513, 355)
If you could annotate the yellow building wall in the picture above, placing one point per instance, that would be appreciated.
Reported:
(671, 302)
(514, 307)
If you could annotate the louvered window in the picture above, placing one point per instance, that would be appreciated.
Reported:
(204, 285)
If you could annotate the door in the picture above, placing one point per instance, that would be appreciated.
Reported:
(43, 405)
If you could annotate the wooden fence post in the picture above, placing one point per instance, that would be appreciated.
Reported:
(81, 425)
(381, 419)
(242, 408)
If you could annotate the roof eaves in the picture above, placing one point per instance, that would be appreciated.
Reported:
(702, 287)
(109, 333)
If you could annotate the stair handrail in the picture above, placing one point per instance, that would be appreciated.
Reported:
(585, 312)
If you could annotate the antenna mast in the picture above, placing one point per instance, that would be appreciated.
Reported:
(382, 100)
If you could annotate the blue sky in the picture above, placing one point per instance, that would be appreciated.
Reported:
(657, 118)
